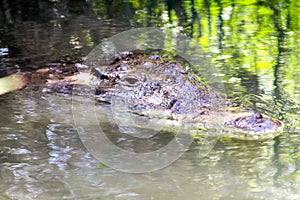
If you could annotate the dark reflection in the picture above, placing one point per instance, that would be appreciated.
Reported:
(276, 159)
(280, 47)
(133, 142)
(220, 25)
(40, 32)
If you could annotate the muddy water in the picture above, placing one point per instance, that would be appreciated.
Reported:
(254, 44)
(43, 157)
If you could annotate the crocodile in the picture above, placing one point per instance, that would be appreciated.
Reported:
(161, 87)
(154, 86)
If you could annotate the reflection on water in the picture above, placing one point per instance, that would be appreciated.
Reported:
(255, 44)
(41, 156)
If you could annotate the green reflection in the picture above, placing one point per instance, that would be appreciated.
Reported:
(246, 38)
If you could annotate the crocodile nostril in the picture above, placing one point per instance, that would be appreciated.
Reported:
(258, 116)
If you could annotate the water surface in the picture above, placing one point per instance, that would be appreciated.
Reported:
(254, 44)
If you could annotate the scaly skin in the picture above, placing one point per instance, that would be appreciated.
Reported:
(144, 82)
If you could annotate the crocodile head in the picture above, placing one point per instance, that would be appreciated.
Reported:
(256, 123)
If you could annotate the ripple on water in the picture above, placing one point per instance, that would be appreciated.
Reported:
(43, 158)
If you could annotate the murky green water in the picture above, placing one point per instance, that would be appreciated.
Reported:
(254, 44)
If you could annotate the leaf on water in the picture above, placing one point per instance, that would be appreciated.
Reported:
(101, 165)
(12, 83)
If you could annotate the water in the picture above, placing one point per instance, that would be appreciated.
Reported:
(254, 44)
(42, 157)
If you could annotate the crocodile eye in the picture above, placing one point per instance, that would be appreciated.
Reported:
(131, 81)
